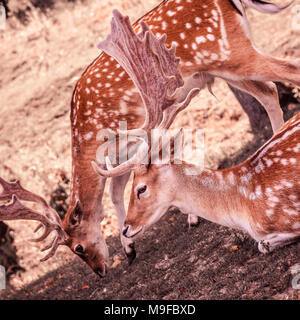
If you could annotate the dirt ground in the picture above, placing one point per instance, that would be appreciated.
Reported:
(44, 50)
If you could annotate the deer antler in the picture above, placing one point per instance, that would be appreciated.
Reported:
(154, 70)
(16, 210)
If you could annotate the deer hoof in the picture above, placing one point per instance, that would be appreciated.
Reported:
(193, 221)
(131, 255)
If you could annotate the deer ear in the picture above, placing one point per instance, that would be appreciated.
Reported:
(76, 215)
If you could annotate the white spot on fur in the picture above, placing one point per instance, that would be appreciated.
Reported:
(274, 199)
(287, 184)
(171, 13)
(200, 39)
(296, 225)
(243, 191)
(88, 136)
(297, 148)
(292, 197)
(246, 178)
(88, 113)
(231, 178)
(269, 192)
(269, 212)
(290, 212)
(252, 196)
(207, 182)
(258, 191)
(260, 167)
(268, 162)
(210, 37)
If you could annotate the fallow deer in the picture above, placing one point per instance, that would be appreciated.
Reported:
(201, 39)
(261, 196)
(208, 36)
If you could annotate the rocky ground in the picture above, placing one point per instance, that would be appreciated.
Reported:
(44, 50)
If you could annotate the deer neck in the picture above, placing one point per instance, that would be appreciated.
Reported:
(87, 187)
(219, 196)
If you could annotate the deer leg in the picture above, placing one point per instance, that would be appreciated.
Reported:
(193, 221)
(260, 67)
(274, 241)
(266, 93)
(274, 69)
(117, 187)
(256, 113)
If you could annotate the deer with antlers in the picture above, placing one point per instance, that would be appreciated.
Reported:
(261, 196)
(208, 36)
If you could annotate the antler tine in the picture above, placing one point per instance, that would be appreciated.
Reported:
(15, 188)
(153, 67)
(17, 211)
(121, 169)
(53, 246)
(170, 114)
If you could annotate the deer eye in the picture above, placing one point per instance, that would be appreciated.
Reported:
(141, 190)
(79, 249)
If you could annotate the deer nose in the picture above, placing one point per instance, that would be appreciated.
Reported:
(130, 231)
(101, 272)
(124, 230)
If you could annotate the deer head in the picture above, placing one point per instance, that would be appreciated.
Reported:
(71, 234)
(155, 187)
(85, 237)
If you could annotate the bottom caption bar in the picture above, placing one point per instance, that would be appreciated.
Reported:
(143, 307)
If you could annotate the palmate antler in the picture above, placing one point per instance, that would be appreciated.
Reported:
(15, 210)
(154, 69)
